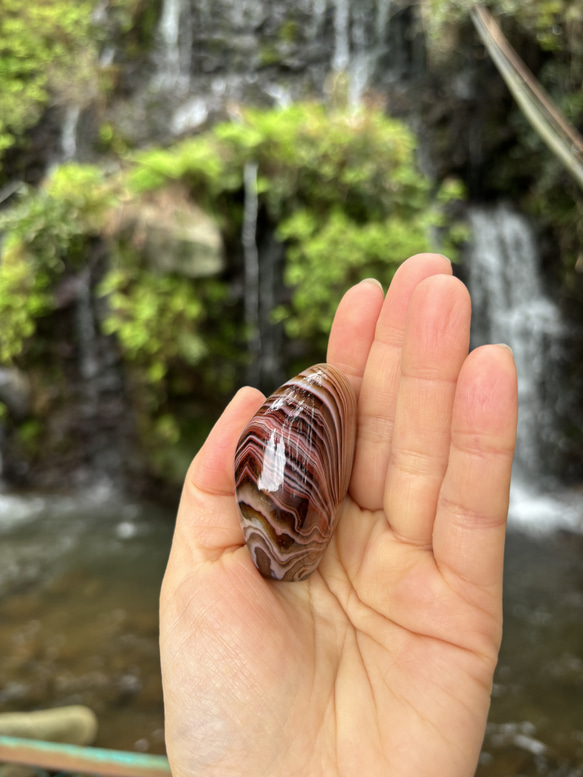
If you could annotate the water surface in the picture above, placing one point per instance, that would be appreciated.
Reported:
(79, 586)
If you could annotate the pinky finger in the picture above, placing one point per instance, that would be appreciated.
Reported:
(470, 526)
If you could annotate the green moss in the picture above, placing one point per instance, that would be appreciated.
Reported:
(268, 55)
(288, 32)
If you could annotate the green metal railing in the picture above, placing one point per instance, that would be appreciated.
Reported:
(81, 760)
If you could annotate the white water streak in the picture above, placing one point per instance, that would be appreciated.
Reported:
(175, 43)
(69, 133)
(251, 261)
(341, 57)
(382, 21)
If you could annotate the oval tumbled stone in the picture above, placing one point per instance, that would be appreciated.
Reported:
(292, 469)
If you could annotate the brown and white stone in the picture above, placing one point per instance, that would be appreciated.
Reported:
(292, 470)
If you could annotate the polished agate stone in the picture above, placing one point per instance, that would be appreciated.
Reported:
(292, 469)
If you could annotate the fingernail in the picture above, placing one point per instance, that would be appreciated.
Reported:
(508, 348)
(373, 280)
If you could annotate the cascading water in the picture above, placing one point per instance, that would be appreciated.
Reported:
(341, 56)
(510, 306)
(174, 51)
(86, 329)
(210, 56)
(66, 150)
(359, 42)
(251, 275)
(262, 263)
(69, 133)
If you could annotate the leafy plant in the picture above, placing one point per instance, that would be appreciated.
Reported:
(342, 187)
(45, 49)
(46, 234)
(154, 318)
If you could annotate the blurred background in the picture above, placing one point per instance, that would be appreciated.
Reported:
(186, 190)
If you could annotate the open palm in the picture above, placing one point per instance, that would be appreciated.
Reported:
(381, 662)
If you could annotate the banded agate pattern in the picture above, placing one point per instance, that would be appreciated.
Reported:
(292, 469)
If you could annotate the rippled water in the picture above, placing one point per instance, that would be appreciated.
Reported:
(536, 718)
(79, 584)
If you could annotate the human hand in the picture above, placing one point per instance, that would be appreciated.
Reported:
(381, 662)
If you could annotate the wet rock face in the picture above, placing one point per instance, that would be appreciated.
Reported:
(211, 55)
(15, 391)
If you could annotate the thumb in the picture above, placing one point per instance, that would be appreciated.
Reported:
(207, 521)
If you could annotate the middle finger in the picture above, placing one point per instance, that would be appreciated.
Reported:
(378, 394)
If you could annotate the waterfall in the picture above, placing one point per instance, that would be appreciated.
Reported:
(102, 414)
(263, 262)
(317, 19)
(86, 329)
(251, 263)
(341, 56)
(88, 359)
(359, 42)
(210, 57)
(382, 20)
(175, 43)
(510, 306)
(362, 62)
(169, 32)
(69, 133)
(270, 281)
(66, 151)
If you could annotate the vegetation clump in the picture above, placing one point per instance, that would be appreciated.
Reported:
(48, 51)
(340, 190)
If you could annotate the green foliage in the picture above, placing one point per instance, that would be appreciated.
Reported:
(548, 35)
(325, 258)
(543, 19)
(46, 234)
(350, 202)
(23, 297)
(198, 160)
(343, 187)
(45, 47)
(154, 318)
(158, 321)
(30, 434)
